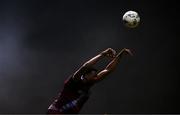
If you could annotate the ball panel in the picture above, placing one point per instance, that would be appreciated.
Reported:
(131, 19)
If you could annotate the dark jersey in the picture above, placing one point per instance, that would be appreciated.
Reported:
(73, 96)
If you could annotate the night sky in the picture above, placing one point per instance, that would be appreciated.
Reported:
(43, 42)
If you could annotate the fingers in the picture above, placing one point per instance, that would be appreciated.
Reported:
(124, 51)
(110, 55)
(113, 52)
(109, 52)
(129, 51)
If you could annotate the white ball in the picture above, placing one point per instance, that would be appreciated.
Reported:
(131, 19)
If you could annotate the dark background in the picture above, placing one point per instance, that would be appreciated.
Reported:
(43, 42)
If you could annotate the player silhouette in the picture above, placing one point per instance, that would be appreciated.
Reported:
(76, 88)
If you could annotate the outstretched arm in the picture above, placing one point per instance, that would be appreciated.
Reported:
(112, 65)
(108, 52)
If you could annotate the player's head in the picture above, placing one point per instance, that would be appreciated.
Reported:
(90, 72)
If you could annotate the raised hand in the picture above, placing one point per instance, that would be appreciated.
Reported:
(124, 51)
(109, 52)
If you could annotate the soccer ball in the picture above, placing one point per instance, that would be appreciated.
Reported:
(131, 19)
